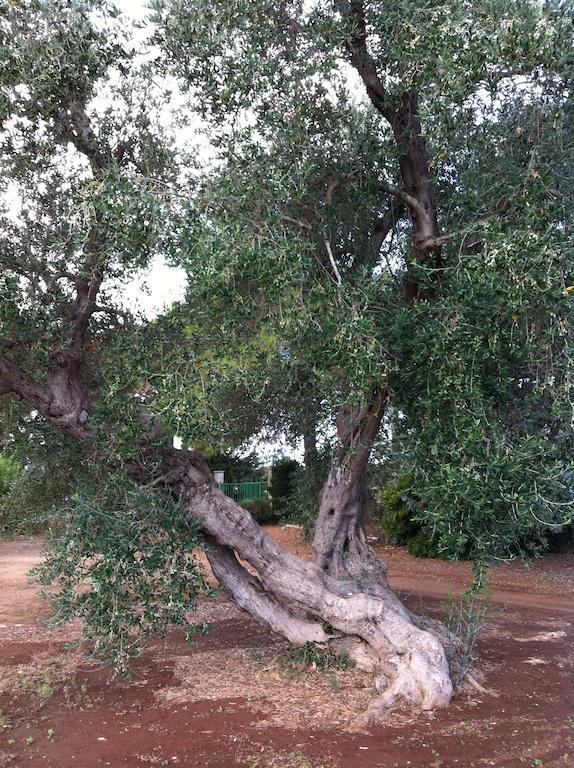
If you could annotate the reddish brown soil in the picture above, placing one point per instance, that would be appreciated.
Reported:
(224, 701)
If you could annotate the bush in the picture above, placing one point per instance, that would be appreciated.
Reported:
(421, 545)
(261, 510)
(399, 521)
(283, 481)
(396, 520)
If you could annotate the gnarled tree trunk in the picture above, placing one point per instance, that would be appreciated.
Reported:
(297, 598)
(340, 547)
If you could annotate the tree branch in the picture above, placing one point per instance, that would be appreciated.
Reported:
(14, 380)
(362, 60)
(385, 225)
(297, 223)
(409, 200)
(333, 262)
(53, 279)
(74, 125)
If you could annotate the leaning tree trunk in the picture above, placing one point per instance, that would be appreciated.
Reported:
(298, 599)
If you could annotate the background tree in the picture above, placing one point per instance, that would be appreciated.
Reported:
(369, 241)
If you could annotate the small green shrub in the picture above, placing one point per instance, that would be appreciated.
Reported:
(465, 619)
(421, 545)
(399, 519)
(396, 518)
(261, 510)
(311, 655)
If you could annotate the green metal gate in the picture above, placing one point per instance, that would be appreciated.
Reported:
(246, 491)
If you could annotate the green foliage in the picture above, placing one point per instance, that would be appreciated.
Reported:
(465, 618)
(400, 518)
(421, 545)
(480, 369)
(283, 475)
(43, 478)
(237, 468)
(261, 510)
(397, 510)
(9, 473)
(302, 504)
(122, 559)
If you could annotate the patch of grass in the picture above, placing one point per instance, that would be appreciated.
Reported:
(318, 657)
(334, 681)
(46, 687)
(296, 660)
(5, 722)
(257, 656)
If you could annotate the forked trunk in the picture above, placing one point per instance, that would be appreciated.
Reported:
(305, 602)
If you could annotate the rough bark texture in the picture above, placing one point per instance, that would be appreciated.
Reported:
(340, 547)
(283, 591)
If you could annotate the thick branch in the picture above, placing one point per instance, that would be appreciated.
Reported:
(73, 124)
(14, 380)
(247, 591)
(53, 279)
(410, 201)
(383, 226)
(361, 59)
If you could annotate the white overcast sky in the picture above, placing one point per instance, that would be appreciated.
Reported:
(161, 285)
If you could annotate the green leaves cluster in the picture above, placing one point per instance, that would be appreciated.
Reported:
(124, 560)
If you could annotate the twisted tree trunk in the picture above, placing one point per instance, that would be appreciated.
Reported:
(340, 546)
(297, 599)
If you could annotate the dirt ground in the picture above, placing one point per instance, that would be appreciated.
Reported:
(226, 700)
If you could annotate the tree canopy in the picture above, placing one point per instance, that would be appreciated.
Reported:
(372, 205)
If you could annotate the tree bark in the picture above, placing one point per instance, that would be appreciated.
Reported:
(340, 546)
(297, 598)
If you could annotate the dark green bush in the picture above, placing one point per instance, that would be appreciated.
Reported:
(399, 521)
(261, 510)
(396, 512)
(421, 545)
(283, 477)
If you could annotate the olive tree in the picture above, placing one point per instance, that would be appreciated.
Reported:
(384, 219)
